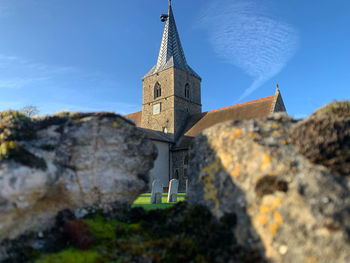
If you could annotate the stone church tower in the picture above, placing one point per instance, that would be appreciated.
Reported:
(171, 89)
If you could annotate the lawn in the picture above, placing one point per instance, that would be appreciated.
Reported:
(144, 201)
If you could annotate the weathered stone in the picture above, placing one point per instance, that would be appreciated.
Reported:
(324, 137)
(94, 160)
(285, 206)
(173, 187)
(157, 190)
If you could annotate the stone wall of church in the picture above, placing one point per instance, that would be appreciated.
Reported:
(181, 78)
(164, 119)
(279, 107)
(179, 168)
(278, 104)
(184, 107)
(174, 106)
(165, 79)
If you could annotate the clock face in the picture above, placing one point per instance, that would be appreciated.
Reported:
(156, 109)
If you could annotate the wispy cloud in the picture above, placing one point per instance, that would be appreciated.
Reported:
(18, 73)
(244, 34)
(5, 10)
(53, 88)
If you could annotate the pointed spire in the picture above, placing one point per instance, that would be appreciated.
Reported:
(171, 53)
(277, 86)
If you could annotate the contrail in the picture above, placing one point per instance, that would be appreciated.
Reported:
(243, 34)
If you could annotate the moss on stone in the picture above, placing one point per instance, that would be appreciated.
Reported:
(10, 150)
(340, 108)
(71, 255)
(101, 229)
(15, 127)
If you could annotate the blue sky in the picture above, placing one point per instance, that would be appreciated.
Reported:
(89, 55)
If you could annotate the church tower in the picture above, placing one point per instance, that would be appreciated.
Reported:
(171, 89)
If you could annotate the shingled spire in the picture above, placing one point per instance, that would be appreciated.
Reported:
(171, 53)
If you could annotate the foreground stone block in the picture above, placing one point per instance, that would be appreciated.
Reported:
(173, 188)
(286, 207)
(67, 162)
(157, 190)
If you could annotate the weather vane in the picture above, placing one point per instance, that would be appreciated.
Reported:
(164, 17)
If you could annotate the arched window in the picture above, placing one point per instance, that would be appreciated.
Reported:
(157, 90)
(187, 91)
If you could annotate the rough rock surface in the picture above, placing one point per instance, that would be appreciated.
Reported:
(67, 162)
(324, 137)
(287, 207)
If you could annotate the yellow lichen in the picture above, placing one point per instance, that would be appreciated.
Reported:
(253, 134)
(269, 215)
(235, 172)
(278, 218)
(266, 162)
(273, 228)
(275, 132)
(284, 141)
(226, 159)
(264, 209)
(235, 134)
(275, 203)
(207, 176)
(263, 219)
(276, 125)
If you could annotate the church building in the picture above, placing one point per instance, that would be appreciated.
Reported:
(171, 112)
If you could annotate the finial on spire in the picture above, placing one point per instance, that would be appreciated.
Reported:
(164, 17)
(277, 87)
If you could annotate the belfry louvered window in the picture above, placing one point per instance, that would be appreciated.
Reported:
(187, 91)
(157, 90)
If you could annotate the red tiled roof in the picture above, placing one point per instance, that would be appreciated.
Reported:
(135, 117)
(248, 110)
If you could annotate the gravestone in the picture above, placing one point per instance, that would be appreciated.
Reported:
(157, 189)
(173, 187)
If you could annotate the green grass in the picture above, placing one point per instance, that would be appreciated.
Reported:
(144, 201)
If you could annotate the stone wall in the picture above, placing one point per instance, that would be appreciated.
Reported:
(165, 119)
(179, 169)
(175, 107)
(181, 78)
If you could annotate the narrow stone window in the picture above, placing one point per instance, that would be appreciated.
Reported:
(187, 91)
(186, 160)
(176, 174)
(185, 165)
(157, 90)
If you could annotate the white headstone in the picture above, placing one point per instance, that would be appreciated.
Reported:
(173, 187)
(156, 195)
